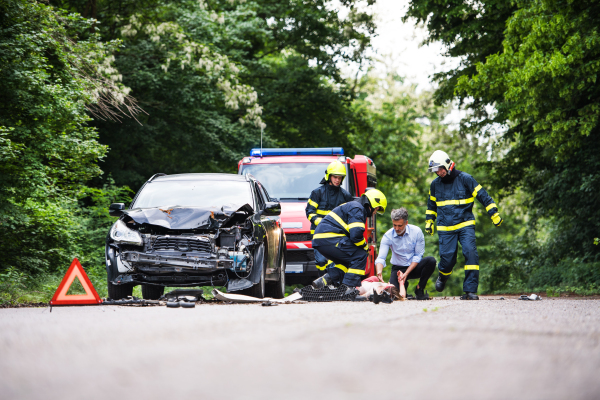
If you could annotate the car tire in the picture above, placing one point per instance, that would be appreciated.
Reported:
(258, 290)
(277, 289)
(152, 292)
(118, 292)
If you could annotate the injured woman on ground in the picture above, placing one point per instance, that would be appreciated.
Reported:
(372, 284)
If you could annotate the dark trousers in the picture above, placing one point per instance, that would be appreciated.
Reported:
(321, 262)
(350, 261)
(422, 272)
(449, 249)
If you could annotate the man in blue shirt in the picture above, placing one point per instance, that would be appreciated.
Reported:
(408, 245)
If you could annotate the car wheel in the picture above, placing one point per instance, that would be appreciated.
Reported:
(118, 292)
(258, 290)
(152, 292)
(277, 289)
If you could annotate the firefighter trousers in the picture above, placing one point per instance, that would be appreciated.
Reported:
(321, 262)
(449, 249)
(350, 260)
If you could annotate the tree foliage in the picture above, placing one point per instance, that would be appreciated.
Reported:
(536, 63)
(209, 74)
(49, 80)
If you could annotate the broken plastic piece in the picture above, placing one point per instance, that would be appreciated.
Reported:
(532, 297)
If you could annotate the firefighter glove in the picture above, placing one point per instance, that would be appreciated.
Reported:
(497, 220)
(429, 227)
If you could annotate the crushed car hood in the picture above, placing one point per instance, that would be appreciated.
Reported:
(176, 217)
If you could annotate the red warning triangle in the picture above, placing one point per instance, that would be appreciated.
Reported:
(62, 299)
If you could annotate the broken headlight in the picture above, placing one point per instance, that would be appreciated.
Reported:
(120, 233)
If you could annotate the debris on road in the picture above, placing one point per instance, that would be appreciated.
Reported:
(240, 298)
(131, 301)
(532, 297)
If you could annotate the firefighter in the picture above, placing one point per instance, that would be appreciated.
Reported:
(324, 199)
(340, 238)
(451, 198)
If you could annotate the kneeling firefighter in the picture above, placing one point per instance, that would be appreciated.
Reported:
(451, 198)
(340, 238)
(324, 199)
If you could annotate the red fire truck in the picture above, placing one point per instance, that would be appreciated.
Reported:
(289, 175)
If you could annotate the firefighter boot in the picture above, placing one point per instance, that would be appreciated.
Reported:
(440, 284)
(420, 294)
(469, 296)
(321, 282)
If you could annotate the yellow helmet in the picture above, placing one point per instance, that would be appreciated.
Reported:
(335, 168)
(377, 200)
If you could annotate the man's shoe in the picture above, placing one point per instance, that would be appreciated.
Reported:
(321, 282)
(420, 294)
(440, 283)
(469, 296)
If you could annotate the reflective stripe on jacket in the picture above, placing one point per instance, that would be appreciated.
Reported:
(346, 220)
(322, 200)
(451, 202)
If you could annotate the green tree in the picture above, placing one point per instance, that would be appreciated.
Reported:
(540, 78)
(284, 55)
(49, 80)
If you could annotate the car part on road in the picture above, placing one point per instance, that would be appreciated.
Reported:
(532, 297)
(329, 293)
(173, 304)
(240, 298)
(130, 301)
(269, 304)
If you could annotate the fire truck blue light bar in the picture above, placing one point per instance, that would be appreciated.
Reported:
(309, 151)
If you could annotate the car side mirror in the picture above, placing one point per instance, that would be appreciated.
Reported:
(272, 208)
(116, 209)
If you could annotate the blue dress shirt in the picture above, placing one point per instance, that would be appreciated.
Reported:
(406, 249)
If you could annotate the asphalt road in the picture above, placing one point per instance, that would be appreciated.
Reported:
(491, 349)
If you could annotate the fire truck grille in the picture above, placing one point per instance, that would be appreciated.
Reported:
(181, 244)
(298, 237)
(300, 256)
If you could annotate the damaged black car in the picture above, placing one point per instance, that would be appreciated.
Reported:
(197, 230)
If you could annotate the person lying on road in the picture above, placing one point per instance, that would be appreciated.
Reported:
(371, 284)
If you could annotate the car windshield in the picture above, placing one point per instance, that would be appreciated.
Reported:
(205, 194)
(289, 181)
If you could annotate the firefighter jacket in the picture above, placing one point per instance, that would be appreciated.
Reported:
(451, 201)
(322, 200)
(347, 220)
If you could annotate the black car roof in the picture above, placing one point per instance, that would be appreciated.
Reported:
(200, 177)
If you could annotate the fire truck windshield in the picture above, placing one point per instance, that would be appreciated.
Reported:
(289, 181)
